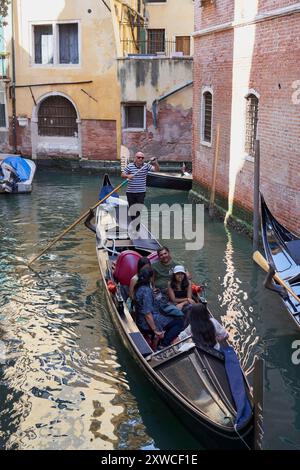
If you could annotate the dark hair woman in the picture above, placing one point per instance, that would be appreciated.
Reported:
(142, 263)
(180, 288)
(205, 329)
(148, 319)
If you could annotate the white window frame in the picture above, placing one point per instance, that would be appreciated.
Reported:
(3, 90)
(55, 30)
(133, 129)
(247, 157)
(202, 120)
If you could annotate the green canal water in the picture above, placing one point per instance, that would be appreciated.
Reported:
(66, 381)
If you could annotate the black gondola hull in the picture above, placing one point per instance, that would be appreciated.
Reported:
(282, 250)
(193, 383)
(160, 180)
(209, 435)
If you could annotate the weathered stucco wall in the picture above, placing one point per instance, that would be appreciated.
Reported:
(146, 80)
(143, 79)
(97, 63)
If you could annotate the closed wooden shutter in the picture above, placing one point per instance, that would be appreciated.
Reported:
(183, 44)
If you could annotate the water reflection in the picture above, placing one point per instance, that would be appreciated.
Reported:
(238, 318)
(66, 381)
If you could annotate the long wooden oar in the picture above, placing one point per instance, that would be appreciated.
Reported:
(59, 237)
(263, 263)
(214, 176)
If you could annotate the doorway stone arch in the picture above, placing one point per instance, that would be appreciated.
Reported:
(48, 140)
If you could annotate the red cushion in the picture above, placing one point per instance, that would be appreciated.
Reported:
(126, 266)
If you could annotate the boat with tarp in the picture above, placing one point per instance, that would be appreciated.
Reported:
(16, 174)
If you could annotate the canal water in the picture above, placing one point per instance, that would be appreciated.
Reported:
(66, 381)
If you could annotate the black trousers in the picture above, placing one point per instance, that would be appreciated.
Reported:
(135, 198)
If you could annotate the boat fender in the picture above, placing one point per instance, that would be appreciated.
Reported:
(111, 286)
(196, 289)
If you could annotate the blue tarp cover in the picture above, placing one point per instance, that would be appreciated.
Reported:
(105, 190)
(20, 166)
(237, 386)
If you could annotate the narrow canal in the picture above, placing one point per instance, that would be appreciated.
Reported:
(66, 382)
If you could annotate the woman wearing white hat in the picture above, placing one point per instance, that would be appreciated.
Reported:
(180, 288)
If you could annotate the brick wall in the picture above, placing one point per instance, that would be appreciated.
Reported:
(99, 140)
(274, 70)
(269, 5)
(171, 140)
(211, 14)
(24, 146)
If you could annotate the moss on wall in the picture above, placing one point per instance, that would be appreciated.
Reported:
(241, 219)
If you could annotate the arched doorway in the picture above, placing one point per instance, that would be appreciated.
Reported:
(56, 127)
(57, 117)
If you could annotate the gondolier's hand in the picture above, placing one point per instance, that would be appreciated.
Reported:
(153, 159)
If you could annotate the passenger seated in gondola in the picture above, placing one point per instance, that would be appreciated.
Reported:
(148, 318)
(205, 330)
(162, 271)
(143, 262)
(162, 268)
(180, 288)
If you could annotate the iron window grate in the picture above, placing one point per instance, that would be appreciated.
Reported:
(251, 124)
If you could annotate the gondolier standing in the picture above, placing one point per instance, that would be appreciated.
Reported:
(136, 172)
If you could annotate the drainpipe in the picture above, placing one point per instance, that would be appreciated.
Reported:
(13, 88)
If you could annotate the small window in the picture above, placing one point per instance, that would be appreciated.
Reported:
(56, 44)
(2, 108)
(43, 44)
(207, 117)
(134, 116)
(156, 41)
(251, 124)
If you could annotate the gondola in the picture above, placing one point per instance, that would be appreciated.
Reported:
(282, 250)
(193, 382)
(16, 174)
(178, 181)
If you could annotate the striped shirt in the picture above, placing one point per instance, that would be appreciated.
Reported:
(137, 184)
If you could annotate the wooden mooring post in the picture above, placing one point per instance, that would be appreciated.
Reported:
(256, 196)
(214, 176)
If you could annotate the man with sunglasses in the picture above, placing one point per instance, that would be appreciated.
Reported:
(136, 172)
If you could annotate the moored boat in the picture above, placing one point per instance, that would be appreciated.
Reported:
(16, 174)
(178, 181)
(282, 250)
(192, 380)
